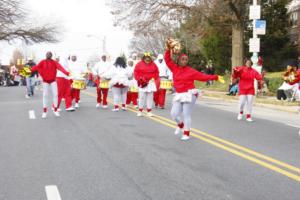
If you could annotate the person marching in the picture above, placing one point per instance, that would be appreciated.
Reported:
(64, 86)
(186, 92)
(147, 76)
(119, 82)
(164, 73)
(246, 75)
(99, 70)
(78, 72)
(47, 69)
(132, 94)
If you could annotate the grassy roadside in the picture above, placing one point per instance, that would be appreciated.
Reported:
(218, 90)
(275, 81)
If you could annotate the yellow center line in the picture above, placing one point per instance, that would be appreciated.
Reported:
(247, 150)
(213, 141)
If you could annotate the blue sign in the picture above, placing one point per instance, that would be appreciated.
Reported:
(260, 27)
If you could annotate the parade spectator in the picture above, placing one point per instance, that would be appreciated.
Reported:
(30, 80)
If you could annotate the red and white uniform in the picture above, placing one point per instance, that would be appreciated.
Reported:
(119, 83)
(164, 73)
(99, 70)
(64, 86)
(246, 76)
(132, 96)
(77, 70)
(147, 74)
(186, 94)
(47, 69)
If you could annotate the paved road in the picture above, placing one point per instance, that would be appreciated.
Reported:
(94, 154)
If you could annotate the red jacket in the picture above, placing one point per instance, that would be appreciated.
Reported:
(247, 75)
(47, 69)
(184, 77)
(146, 71)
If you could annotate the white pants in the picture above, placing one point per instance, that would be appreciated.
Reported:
(246, 99)
(182, 112)
(145, 98)
(53, 87)
(119, 94)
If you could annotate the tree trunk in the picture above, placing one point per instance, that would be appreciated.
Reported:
(237, 45)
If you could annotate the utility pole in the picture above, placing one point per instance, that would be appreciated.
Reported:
(259, 28)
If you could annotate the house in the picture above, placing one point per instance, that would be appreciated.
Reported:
(294, 15)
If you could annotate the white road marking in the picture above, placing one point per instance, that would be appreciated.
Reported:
(31, 114)
(52, 192)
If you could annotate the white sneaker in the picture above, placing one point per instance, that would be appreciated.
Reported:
(27, 96)
(59, 109)
(185, 138)
(115, 110)
(44, 115)
(76, 105)
(178, 131)
(70, 109)
(139, 114)
(104, 106)
(249, 119)
(56, 114)
(124, 108)
(149, 114)
(240, 116)
(97, 105)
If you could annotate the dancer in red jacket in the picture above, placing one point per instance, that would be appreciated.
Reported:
(246, 75)
(147, 76)
(186, 92)
(47, 69)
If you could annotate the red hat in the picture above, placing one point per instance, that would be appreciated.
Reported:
(181, 55)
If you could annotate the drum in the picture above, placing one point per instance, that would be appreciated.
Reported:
(79, 84)
(133, 89)
(166, 84)
(104, 84)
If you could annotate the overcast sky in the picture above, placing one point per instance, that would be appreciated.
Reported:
(78, 18)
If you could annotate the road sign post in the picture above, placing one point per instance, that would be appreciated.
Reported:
(259, 28)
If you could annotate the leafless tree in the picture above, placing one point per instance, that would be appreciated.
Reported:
(137, 15)
(14, 25)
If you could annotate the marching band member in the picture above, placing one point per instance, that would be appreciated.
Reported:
(119, 82)
(186, 92)
(246, 75)
(47, 69)
(78, 71)
(132, 96)
(160, 94)
(64, 86)
(147, 76)
(99, 70)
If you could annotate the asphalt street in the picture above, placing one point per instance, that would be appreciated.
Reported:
(94, 154)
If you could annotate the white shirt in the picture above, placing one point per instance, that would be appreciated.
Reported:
(77, 69)
(118, 75)
(163, 69)
(101, 68)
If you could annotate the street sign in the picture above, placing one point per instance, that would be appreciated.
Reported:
(260, 27)
(254, 45)
(255, 12)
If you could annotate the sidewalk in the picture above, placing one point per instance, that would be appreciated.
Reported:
(266, 102)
